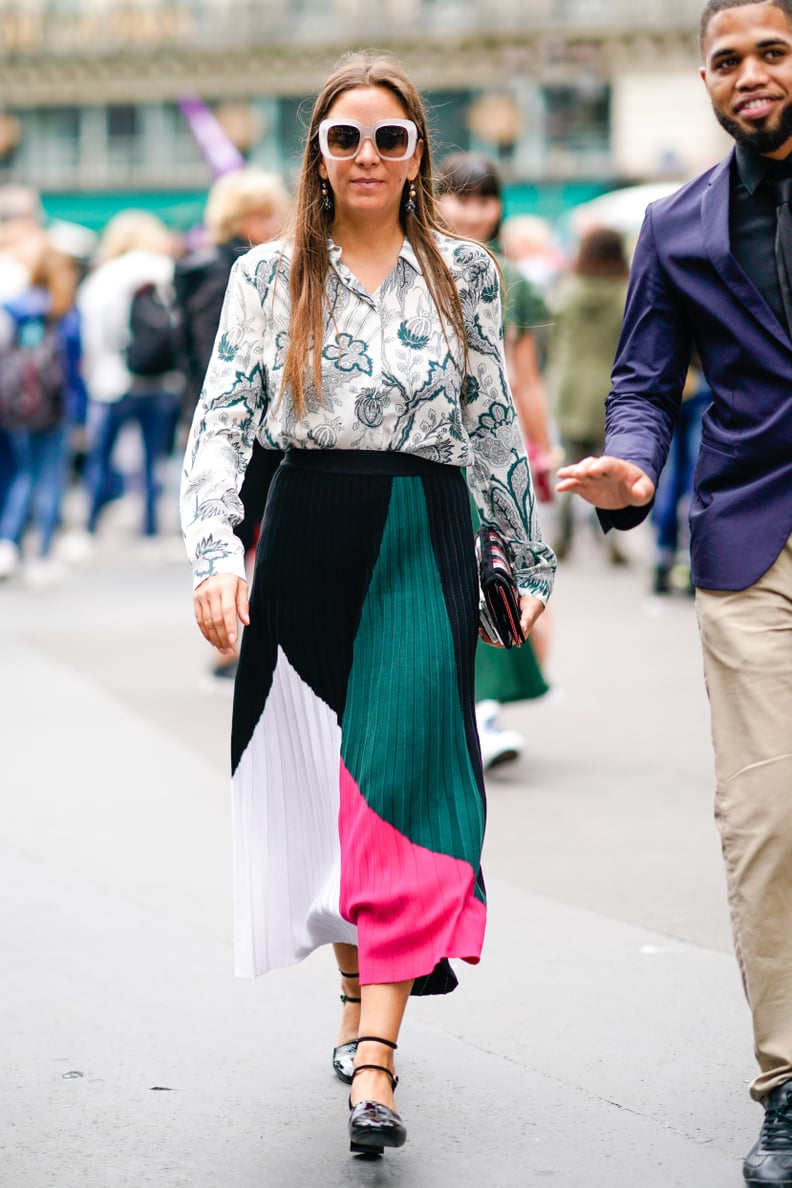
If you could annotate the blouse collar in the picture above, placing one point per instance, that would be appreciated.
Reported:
(406, 253)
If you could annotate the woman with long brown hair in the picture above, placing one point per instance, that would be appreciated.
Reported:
(368, 346)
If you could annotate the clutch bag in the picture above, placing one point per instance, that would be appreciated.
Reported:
(499, 597)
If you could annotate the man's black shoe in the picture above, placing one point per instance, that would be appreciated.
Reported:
(770, 1161)
(661, 579)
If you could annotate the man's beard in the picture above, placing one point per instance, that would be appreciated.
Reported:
(760, 140)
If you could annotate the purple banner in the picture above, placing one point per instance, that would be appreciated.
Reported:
(217, 150)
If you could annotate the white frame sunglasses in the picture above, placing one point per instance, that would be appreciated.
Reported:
(367, 132)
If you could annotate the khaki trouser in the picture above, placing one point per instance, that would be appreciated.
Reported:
(747, 641)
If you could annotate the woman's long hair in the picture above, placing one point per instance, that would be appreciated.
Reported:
(54, 272)
(312, 225)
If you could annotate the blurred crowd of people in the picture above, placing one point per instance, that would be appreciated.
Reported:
(96, 337)
(104, 337)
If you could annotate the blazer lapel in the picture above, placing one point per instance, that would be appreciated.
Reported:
(715, 224)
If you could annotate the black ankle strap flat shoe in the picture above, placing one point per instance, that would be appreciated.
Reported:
(344, 1054)
(372, 1125)
(344, 1061)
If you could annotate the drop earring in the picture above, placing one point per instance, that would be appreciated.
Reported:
(327, 201)
(409, 206)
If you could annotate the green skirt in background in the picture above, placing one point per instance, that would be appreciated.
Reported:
(512, 675)
(502, 674)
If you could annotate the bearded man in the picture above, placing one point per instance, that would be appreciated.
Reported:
(713, 272)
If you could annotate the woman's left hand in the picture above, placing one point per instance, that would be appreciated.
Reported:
(530, 610)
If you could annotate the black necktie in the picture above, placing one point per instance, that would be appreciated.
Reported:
(783, 243)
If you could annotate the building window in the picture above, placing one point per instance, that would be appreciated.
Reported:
(49, 148)
(123, 139)
(178, 143)
(122, 121)
(577, 126)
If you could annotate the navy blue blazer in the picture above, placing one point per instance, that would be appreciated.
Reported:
(687, 288)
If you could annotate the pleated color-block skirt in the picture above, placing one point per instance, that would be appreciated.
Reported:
(358, 795)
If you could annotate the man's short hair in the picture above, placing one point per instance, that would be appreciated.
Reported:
(716, 6)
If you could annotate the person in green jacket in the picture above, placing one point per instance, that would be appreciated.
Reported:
(469, 199)
(587, 309)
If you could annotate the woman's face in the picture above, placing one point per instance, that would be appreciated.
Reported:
(471, 215)
(368, 185)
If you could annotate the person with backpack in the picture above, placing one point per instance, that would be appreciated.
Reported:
(20, 231)
(39, 367)
(130, 347)
(245, 207)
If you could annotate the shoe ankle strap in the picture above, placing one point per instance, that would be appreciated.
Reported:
(377, 1039)
(394, 1080)
(345, 998)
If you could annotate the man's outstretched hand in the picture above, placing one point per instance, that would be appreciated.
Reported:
(609, 483)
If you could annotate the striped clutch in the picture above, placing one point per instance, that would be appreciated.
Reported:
(499, 598)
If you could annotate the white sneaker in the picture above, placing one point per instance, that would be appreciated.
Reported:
(497, 745)
(9, 558)
(43, 574)
(488, 715)
(75, 546)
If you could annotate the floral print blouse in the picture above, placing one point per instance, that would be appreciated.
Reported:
(390, 381)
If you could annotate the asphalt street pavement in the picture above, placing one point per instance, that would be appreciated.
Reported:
(603, 1040)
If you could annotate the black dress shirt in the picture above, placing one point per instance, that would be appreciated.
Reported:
(752, 222)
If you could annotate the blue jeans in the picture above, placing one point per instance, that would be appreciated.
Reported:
(38, 483)
(675, 487)
(153, 413)
(6, 466)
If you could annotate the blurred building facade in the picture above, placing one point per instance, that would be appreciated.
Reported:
(564, 93)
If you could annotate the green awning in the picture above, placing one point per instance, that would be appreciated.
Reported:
(182, 209)
(177, 208)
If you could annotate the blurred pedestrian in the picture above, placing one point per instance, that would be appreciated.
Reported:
(130, 356)
(245, 207)
(587, 311)
(529, 244)
(671, 508)
(713, 270)
(470, 200)
(39, 363)
(21, 224)
(21, 220)
(368, 344)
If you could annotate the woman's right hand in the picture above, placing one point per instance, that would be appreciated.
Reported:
(220, 603)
